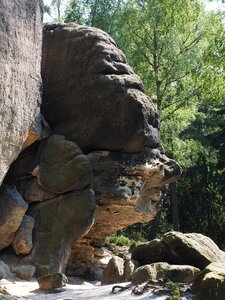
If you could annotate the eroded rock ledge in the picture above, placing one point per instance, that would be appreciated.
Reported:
(99, 169)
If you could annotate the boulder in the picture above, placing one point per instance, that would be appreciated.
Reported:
(63, 167)
(5, 271)
(163, 271)
(20, 80)
(25, 272)
(32, 192)
(52, 281)
(194, 249)
(114, 272)
(177, 248)
(210, 283)
(129, 267)
(106, 106)
(22, 242)
(57, 223)
(154, 251)
(12, 211)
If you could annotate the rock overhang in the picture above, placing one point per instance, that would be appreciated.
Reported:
(104, 139)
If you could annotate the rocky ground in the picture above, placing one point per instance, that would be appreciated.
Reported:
(80, 289)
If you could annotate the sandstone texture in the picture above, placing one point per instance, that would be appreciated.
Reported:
(118, 270)
(83, 68)
(194, 248)
(52, 281)
(114, 271)
(93, 164)
(63, 166)
(57, 223)
(162, 271)
(178, 248)
(20, 81)
(22, 242)
(25, 272)
(154, 251)
(210, 284)
(12, 211)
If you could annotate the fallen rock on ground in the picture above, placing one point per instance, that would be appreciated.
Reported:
(5, 271)
(52, 281)
(155, 251)
(210, 283)
(114, 271)
(163, 272)
(25, 272)
(195, 249)
(178, 248)
(118, 270)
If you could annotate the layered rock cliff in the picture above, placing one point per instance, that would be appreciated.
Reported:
(20, 80)
(96, 165)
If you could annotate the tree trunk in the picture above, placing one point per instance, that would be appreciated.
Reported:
(174, 205)
(155, 227)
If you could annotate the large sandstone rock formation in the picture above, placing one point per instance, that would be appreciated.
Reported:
(20, 80)
(91, 95)
(101, 167)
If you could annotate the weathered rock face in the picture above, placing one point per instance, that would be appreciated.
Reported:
(57, 223)
(114, 272)
(101, 163)
(22, 242)
(195, 249)
(83, 68)
(154, 251)
(12, 211)
(109, 116)
(126, 188)
(20, 120)
(210, 284)
(52, 281)
(63, 167)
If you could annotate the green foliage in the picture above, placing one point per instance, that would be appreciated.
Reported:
(174, 290)
(54, 10)
(47, 9)
(119, 240)
(96, 13)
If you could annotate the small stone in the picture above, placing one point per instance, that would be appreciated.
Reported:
(52, 281)
(25, 272)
